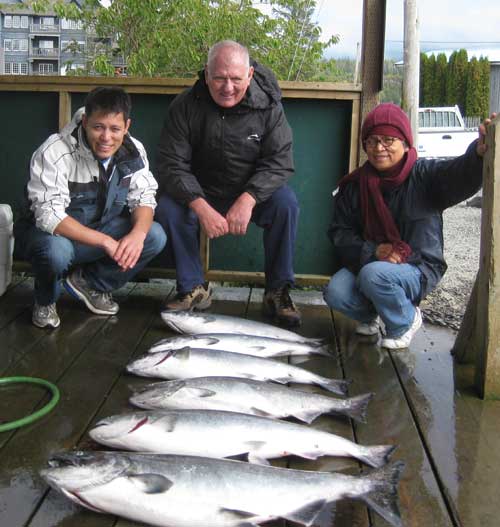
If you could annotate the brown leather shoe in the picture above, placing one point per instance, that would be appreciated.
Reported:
(199, 298)
(277, 303)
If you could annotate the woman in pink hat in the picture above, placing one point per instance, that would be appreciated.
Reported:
(387, 226)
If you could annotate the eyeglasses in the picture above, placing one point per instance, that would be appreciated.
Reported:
(385, 141)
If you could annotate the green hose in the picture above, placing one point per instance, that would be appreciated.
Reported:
(35, 415)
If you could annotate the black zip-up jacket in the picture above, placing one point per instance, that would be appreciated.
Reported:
(416, 206)
(209, 151)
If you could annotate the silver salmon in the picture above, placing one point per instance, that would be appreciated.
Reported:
(196, 323)
(246, 396)
(216, 433)
(240, 343)
(191, 362)
(188, 491)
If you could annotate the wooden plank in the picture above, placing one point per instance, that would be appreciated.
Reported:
(317, 322)
(391, 422)
(17, 298)
(55, 508)
(458, 428)
(158, 85)
(83, 386)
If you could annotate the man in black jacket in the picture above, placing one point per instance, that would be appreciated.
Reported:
(224, 158)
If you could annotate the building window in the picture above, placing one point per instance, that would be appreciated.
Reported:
(45, 69)
(71, 24)
(15, 44)
(16, 68)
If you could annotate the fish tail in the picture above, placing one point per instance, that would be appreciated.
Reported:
(358, 406)
(383, 496)
(377, 456)
(323, 349)
(337, 386)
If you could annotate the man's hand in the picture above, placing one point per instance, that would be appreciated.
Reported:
(213, 224)
(129, 249)
(238, 216)
(481, 144)
(385, 253)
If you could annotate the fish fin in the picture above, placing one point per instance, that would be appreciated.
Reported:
(383, 496)
(199, 392)
(151, 483)
(182, 353)
(257, 348)
(235, 515)
(205, 340)
(168, 422)
(305, 455)
(358, 406)
(334, 385)
(299, 359)
(377, 456)
(306, 515)
(259, 412)
(253, 454)
(308, 416)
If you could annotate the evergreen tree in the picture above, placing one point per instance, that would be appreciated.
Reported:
(440, 80)
(473, 89)
(485, 87)
(424, 79)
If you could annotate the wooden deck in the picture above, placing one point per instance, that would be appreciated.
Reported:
(423, 403)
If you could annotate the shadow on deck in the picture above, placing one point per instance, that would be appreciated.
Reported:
(423, 403)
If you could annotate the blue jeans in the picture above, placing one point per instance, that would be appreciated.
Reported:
(381, 288)
(277, 216)
(51, 256)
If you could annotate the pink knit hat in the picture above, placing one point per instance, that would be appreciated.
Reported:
(387, 119)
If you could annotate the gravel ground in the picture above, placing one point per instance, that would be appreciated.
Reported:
(446, 305)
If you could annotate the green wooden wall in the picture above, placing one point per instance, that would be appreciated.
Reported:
(321, 128)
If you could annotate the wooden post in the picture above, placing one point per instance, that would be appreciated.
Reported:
(64, 109)
(479, 336)
(411, 58)
(372, 54)
(488, 286)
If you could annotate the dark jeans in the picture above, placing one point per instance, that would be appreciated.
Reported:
(51, 256)
(277, 217)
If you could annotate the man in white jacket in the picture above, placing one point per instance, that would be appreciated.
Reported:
(91, 203)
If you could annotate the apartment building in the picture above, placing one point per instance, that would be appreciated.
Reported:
(40, 44)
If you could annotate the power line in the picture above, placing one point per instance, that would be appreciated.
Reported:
(450, 42)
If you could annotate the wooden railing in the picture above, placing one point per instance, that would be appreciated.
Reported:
(326, 118)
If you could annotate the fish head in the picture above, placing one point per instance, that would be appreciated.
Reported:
(74, 472)
(118, 426)
(186, 321)
(150, 361)
(153, 395)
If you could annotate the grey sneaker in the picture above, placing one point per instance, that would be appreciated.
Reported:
(45, 316)
(199, 298)
(368, 328)
(99, 302)
(278, 303)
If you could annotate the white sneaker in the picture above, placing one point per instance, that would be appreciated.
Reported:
(404, 340)
(368, 328)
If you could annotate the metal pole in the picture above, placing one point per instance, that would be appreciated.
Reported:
(411, 58)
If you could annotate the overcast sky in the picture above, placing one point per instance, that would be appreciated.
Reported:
(441, 21)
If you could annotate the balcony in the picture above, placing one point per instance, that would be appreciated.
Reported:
(44, 28)
(43, 53)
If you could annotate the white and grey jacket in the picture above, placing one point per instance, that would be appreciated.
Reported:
(65, 180)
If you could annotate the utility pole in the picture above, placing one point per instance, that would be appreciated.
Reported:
(411, 58)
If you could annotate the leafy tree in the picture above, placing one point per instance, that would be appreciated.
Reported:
(171, 38)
